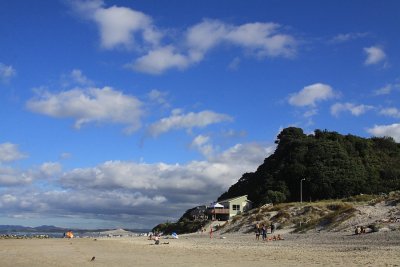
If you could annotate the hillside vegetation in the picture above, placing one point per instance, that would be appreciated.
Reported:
(332, 166)
(329, 166)
(376, 213)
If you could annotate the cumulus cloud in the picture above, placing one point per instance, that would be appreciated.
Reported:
(118, 25)
(202, 143)
(375, 55)
(263, 39)
(392, 130)
(391, 112)
(10, 152)
(260, 39)
(129, 28)
(75, 78)
(387, 89)
(131, 190)
(159, 97)
(13, 177)
(159, 60)
(173, 181)
(312, 94)
(354, 109)
(88, 203)
(101, 105)
(49, 169)
(179, 120)
(78, 77)
(6, 72)
(345, 37)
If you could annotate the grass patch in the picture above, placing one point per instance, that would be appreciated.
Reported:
(337, 213)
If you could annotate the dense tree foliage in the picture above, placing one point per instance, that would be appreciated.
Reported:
(333, 166)
(184, 225)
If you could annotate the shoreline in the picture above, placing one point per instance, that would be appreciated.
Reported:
(315, 249)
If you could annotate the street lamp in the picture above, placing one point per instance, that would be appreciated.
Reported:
(301, 190)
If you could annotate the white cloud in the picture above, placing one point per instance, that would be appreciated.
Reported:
(127, 190)
(391, 112)
(354, 109)
(126, 27)
(392, 130)
(387, 89)
(159, 60)
(312, 94)
(375, 55)
(78, 77)
(202, 143)
(178, 120)
(206, 35)
(197, 181)
(118, 25)
(159, 97)
(310, 113)
(10, 152)
(75, 78)
(345, 37)
(384, 90)
(65, 155)
(49, 169)
(121, 26)
(234, 65)
(101, 105)
(6, 72)
(263, 39)
(260, 39)
(13, 177)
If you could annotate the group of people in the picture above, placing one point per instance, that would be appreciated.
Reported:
(359, 230)
(68, 234)
(261, 230)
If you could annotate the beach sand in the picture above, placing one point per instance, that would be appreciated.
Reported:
(316, 249)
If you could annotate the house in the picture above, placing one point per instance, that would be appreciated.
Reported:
(226, 209)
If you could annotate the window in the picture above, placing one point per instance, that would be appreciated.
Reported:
(236, 207)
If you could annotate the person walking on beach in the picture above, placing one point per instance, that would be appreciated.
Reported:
(257, 230)
(264, 232)
(211, 231)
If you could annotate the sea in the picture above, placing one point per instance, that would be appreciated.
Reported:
(60, 234)
(34, 234)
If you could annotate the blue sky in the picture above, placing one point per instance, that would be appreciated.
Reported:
(127, 113)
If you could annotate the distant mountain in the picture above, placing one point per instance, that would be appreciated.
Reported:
(55, 229)
(14, 228)
(323, 165)
(19, 228)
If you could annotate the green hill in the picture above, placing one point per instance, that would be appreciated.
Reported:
(332, 166)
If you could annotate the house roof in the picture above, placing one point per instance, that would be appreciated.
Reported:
(230, 199)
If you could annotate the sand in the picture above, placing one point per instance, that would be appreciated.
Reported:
(316, 249)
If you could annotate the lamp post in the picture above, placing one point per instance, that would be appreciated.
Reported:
(301, 190)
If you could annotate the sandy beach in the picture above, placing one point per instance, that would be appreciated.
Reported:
(316, 249)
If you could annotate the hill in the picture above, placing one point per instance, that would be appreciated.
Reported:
(375, 213)
(323, 166)
(331, 166)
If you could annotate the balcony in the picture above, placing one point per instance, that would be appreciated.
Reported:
(218, 211)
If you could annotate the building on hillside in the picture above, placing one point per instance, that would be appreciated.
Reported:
(226, 209)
